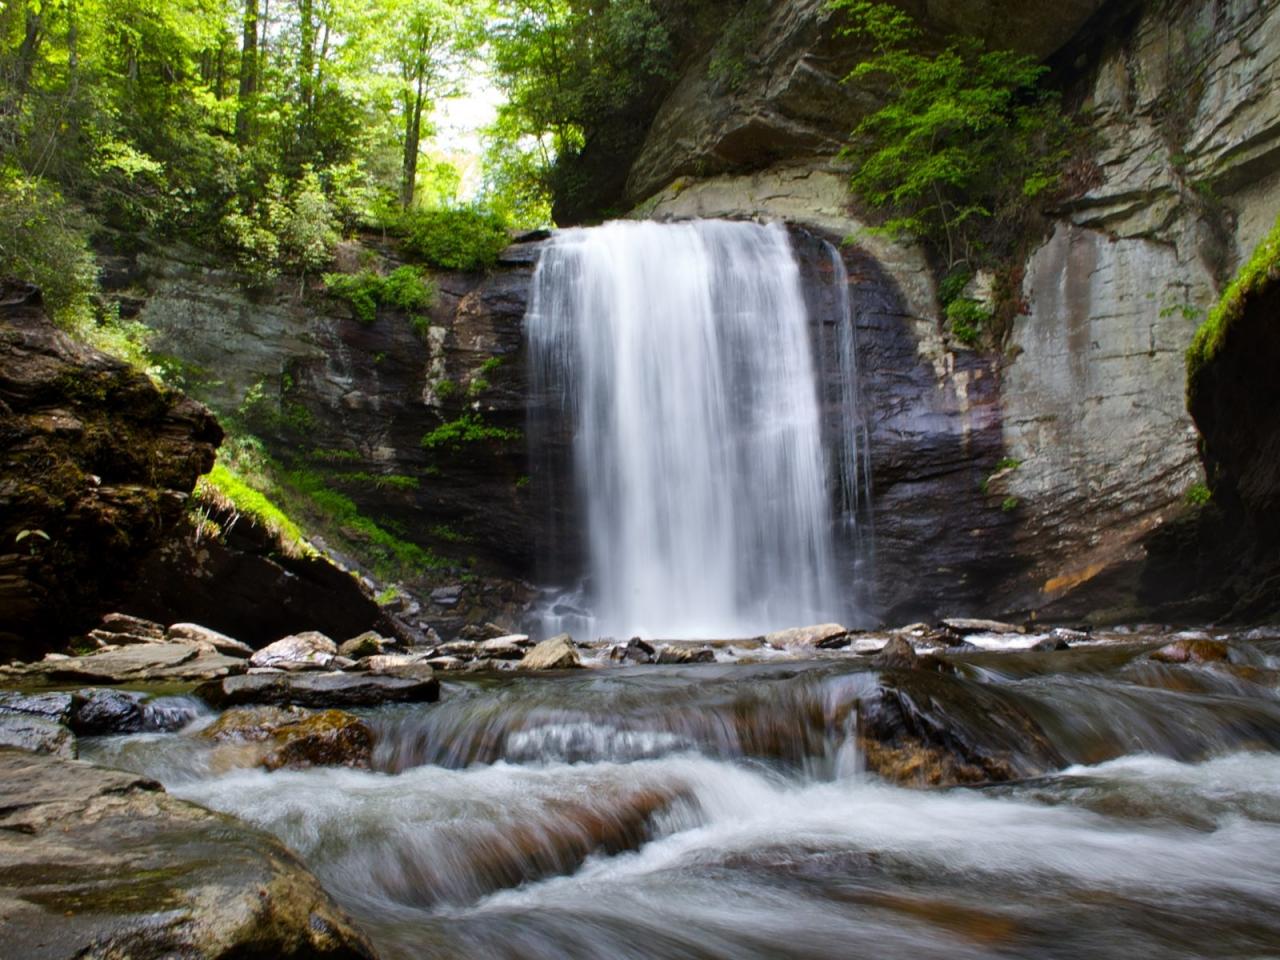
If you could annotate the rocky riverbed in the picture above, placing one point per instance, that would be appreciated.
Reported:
(964, 789)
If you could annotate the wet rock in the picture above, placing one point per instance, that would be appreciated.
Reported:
(178, 662)
(309, 650)
(1193, 651)
(927, 728)
(897, 654)
(122, 623)
(483, 631)
(101, 712)
(311, 689)
(446, 664)
(201, 636)
(1049, 644)
(446, 596)
(252, 724)
(634, 650)
(331, 738)
(55, 707)
(368, 644)
(1068, 635)
(465, 649)
(101, 863)
(670, 654)
(818, 635)
(557, 653)
(37, 734)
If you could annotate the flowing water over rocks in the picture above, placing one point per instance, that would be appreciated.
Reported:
(1098, 800)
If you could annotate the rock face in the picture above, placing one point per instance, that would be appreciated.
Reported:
(246, 584)
(95, 465)
(101, 863)
(787, 100)
(359, 399)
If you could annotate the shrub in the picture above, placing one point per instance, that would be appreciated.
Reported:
(967, 318)
(404, 288)
(468, 428)
(461, 238)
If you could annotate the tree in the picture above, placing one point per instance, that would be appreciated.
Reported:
(965, 134)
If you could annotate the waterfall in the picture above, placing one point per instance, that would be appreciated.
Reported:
(681, 355)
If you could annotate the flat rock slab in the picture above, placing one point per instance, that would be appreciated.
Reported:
(319, 689)
(30, 732)
(101, 863)
(143, 662)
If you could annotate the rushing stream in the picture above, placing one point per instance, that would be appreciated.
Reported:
(726, 811)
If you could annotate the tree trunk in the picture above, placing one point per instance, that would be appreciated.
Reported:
(248, 73)
(412, 143)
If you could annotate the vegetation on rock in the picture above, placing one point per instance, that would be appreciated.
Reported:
(1262, 268)
(966, 138)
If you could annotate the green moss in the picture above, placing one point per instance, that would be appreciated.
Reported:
(1008, 463)
(251, 503)
(490, 365)
(446, 389)
(1009, 504)
(1198, 495)
(467, 429)
(1262, 268)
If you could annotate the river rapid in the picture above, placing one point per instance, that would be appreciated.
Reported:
(732, 811)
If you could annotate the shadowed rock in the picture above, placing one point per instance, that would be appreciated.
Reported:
(319, 689)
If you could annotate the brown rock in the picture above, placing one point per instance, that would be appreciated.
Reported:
(558, 653)
(1193, 651)
(203, 636)
(310, 650)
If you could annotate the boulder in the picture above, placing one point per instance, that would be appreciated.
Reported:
(310, 650)
(634, 650)
(101, 863)
(55, 707)
(312, 689)
(1049, 644)
(368, 644)
(293, 737)
(36, 734)
(196, 634)
(122, 623)
(558, 653)
(897, 654)
(102, 712)
(670, 654)
(818, 635)
(398, 665)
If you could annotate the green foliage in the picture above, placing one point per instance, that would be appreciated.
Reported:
(460, 238)
(252, 504)
(1009, 504)
(1262, 268)
(966, 135)
(491, 365)
(1197, 495)
(404, 289)
(44, 241)
(467, 429)
(446, 389)
(1008, 463)
(967, 319)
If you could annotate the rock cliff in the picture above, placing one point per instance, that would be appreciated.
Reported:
(95, 466)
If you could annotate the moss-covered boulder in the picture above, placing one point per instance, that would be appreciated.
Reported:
(293, 737)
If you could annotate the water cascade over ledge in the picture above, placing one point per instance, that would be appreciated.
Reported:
(682, 355)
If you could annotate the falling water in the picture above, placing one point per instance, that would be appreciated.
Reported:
(682, 355)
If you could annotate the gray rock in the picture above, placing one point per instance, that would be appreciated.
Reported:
(102, 712)
(178, 662)
(446, 596)
(558, 653)
(464, 649)
(509, 647)
(195, 633)
(897, 654)
(36, 734)
(55, 707)
(634, 650)
(310, 650)
(319, 689)
(101, 863)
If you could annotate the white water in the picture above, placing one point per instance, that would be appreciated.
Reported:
(682, 354)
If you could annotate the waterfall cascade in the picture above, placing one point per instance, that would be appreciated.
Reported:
(683, 356)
